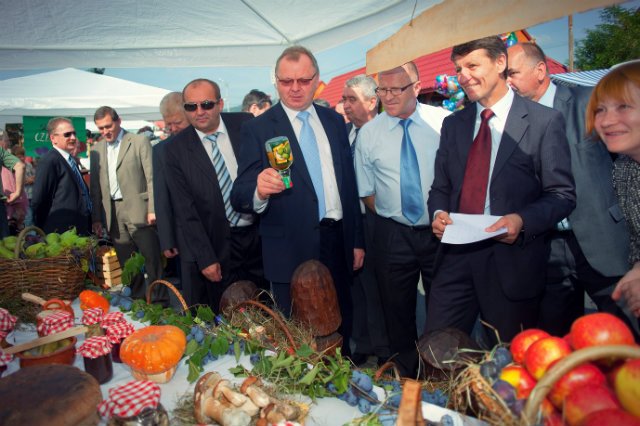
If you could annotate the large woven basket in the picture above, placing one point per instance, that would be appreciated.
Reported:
(59, 277)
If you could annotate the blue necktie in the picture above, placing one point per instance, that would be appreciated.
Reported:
(83, 187)
(410, 187)
(309, 146)
(224, 179)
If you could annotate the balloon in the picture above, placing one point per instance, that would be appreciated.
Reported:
(449, 86)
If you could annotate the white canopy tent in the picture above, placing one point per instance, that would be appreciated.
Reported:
(72, 92)
(165, 33)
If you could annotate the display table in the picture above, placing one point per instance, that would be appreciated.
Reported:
(325, 411)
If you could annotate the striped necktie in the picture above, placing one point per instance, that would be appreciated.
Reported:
(224, 179)
(83, 187)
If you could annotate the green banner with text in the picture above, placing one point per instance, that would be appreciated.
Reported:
(36, 139)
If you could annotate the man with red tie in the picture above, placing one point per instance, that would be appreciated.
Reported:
(506, 156)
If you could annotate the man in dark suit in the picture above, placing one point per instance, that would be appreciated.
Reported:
(174, 120)
(319, 217)
(521, 165)
(588, 249)
(60, 197)
(218, 246)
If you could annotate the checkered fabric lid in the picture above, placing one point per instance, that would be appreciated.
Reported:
(7, 321)
(92, 316)
(112, 318)
(118, 331)
(95, 346)
(5, 358)
(130, 399)
(55, 323)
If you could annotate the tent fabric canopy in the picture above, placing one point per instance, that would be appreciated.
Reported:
(163, 33)
(580, 78)
(71, 92)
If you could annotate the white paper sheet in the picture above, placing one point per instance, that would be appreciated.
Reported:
(470, 228)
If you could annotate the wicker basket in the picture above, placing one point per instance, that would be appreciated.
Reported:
(562, 367)
(59, 277)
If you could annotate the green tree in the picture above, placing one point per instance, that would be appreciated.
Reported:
(616, 40)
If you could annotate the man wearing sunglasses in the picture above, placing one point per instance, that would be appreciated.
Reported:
(217, 245)
(319, 217)
(122, 195)
(60, 196)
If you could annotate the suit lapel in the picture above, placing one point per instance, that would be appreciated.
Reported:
(125, 144)
(465, 137)
(199, 157)
(514, 130)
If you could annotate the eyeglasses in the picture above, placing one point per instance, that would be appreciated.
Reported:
(206, 105)
(67, 134)
(395, 91)
(288, 82)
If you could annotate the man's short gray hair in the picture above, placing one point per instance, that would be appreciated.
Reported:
(367, 85)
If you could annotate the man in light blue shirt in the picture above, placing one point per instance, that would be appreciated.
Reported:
(394, 160)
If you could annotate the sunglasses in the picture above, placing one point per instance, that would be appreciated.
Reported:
(67, 134)
(206, 105)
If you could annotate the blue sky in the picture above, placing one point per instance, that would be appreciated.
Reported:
(236, 82)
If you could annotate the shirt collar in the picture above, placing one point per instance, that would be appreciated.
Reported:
(62, 152)
(501, 108)
(414, 117)
(292, 114)
(221, 129)
(549, 96)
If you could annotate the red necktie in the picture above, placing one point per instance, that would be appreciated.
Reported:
(476, 174)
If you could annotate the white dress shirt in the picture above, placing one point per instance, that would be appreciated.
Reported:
(113, 149)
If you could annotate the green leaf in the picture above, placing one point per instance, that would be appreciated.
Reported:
(304, 351)
(219, 346)
(237, 351)
(308, 378)
(192, 346)
(205, 313)
(194, 371)
(238, 371)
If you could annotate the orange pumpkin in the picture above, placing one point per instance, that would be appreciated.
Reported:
(91, 299)
(153, 352)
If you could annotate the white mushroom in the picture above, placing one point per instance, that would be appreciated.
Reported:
(208, 407)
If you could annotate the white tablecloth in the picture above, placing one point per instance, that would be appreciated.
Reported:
(325, 411)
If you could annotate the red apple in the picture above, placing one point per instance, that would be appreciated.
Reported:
(542, 353)
(626, 383)
(518, 377)
(585, 400)
(585, 374)
(611, 416)
(600, 328)
(523, 340)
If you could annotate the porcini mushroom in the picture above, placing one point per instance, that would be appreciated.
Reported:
(251, 387)
(208, 407)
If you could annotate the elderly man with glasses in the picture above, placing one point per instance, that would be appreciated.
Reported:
(218, 246)
(60, 196)
(394, 158)
(319, 216)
